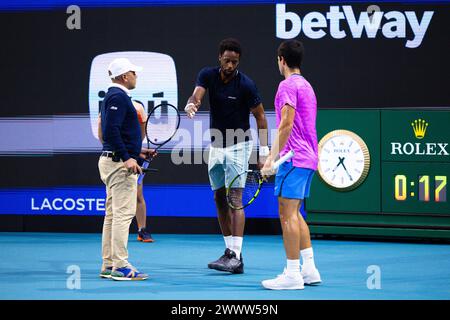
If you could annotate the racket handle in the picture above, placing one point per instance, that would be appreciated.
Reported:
(145, 164)
(144, 170)
(283, 159)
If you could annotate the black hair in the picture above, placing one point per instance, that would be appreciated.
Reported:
(292, 51)
(230, 44)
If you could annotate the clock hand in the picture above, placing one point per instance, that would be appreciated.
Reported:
(348, 174)
(340, 162)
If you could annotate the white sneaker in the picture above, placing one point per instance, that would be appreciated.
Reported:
(311, 276)
(284, 282)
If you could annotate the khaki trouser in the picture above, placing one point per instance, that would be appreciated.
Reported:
(121, 194)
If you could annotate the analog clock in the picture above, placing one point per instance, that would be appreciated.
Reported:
(344, 160)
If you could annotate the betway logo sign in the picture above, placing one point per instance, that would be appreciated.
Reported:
(314, 24)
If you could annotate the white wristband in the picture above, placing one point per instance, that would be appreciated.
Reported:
(264, 151)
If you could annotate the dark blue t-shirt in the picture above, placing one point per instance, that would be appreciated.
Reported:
(120, 126)
(230, 102)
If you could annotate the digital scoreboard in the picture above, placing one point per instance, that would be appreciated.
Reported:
(423, 188)
(416, 161)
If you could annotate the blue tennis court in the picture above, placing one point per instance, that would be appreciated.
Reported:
(35, 266)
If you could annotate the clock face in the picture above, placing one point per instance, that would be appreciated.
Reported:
(344, 160)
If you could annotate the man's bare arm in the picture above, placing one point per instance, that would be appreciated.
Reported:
(194, 101)
(261, 122)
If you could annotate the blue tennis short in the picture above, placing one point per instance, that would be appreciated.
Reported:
(293, 182)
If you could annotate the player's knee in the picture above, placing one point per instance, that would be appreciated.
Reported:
(288, 216)
(220, 195)
(282, 216)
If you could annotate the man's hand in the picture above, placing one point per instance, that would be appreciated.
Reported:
(267, 170)
(191, 108)
(261, 161)
(132, 166)
(148, 153)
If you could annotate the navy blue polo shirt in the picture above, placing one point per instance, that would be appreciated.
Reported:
(230, 103)
(120, 126)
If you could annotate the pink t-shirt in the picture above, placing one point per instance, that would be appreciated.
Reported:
(298, 93)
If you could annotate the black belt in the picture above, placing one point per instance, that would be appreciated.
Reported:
(110, 154)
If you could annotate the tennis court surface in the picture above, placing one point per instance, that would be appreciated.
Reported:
(45, 266)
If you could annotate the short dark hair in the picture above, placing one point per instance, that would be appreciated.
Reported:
(230, 44)
(292, 51)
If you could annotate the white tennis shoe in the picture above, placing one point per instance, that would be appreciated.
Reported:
(311, 276)
(285, 282)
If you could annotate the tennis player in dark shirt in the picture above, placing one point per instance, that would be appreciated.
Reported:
(232, 97)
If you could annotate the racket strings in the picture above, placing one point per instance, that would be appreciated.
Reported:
(240, 194)
(162, 124)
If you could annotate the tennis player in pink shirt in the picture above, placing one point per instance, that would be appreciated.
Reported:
(296, 110)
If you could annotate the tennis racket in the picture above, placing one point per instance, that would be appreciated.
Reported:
(245, 187)
(145, 170)
(161, 126)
